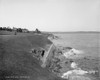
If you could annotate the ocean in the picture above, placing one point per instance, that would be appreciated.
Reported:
(88, 42)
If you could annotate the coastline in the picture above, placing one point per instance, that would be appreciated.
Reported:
(85, 62)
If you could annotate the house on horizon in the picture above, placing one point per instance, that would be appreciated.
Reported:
(25, 30)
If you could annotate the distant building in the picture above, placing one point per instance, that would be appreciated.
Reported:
(25, 30)
(20, 30)
(14, 29)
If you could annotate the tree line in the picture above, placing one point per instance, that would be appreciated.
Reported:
(13, 29)
(18, 30)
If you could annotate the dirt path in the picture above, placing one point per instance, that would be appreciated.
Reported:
(46, 55)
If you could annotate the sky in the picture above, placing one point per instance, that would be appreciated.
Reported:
(51, 15)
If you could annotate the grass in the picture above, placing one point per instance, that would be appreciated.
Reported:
(16, 61)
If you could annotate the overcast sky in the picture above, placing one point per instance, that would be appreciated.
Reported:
(51, 15)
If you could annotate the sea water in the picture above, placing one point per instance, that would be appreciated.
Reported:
(88, 42)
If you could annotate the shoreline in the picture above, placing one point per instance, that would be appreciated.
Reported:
(86, 62)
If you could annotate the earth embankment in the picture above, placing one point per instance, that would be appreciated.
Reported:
(16, 61)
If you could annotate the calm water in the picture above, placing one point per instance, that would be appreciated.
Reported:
(87, 42)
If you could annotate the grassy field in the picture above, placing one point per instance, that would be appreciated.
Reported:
(16, 61)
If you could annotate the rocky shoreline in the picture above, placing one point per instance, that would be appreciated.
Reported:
(64, 67)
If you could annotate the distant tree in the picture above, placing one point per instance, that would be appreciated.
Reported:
(19, 30)
(8, 29)
(37, 31)
(0, 28)
(4, 28)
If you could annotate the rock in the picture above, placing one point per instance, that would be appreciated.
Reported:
(79, 78)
